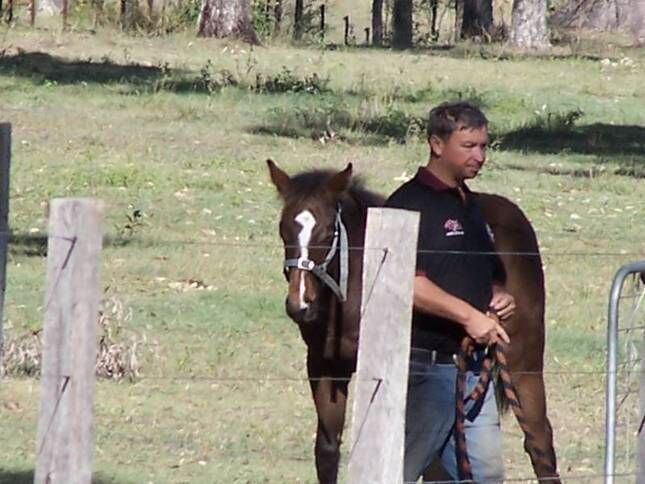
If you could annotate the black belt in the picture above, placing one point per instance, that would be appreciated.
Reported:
(473, 363)
(443, 358)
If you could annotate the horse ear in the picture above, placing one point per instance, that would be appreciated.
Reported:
(279, 178)
(340, 181)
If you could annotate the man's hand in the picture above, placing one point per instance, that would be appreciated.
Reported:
(502, 303)
(485, 329)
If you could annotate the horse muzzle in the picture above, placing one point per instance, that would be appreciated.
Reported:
(300, 315)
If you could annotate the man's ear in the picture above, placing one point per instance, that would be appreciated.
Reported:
(341, 181)
(436, 145)
(279, 178)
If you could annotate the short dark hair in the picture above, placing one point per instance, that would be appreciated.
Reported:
(448, 117)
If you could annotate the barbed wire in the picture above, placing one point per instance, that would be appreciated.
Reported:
(305, 412)
(72, 245)
(59, 397)
(544, 252)
(234, 379)
(104, 435)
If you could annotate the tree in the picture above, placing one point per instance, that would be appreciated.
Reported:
(628, 15)
(277, 14)
(434, 7)
(377, 22)
(528, 25)
(298, 25)
(50, 7)
(226, 18)
(402, 24)
(477, 18)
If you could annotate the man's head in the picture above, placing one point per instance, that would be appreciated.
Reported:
(458, 137)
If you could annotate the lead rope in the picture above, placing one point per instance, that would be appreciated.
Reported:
(496, 356)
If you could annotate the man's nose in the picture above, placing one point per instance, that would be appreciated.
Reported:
(479, 154)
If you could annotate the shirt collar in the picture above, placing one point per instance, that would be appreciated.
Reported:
(429, 179)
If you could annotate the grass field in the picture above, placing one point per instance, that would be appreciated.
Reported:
(172, 132)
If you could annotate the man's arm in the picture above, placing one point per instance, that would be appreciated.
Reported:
(430, 298)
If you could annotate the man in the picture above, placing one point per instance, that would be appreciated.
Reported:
(458, 292)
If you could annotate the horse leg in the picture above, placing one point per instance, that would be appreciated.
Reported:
(538, 442)
(330, 396)
(330, 401)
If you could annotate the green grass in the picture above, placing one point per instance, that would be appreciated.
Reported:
(176, 130)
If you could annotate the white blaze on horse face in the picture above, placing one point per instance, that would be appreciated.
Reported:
(307, 221)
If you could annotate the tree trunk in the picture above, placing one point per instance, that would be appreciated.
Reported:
(277, 14)
(434, 7)
(459, 18)
(298, 14)
(627, 15)
(477, 18)
(377, 22)
(402, 24)
(226, 18)
(50, 7)
(528, 25)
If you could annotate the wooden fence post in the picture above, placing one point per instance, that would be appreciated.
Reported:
(640, 479)
(65, 442)
(378, 419)
(5, 164)
(346, 20)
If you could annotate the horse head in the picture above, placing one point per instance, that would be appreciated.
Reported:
(314, 237)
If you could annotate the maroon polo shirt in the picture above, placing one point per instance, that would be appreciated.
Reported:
(454, 251)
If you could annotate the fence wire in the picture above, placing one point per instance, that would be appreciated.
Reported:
(149, 241)
(626, 369)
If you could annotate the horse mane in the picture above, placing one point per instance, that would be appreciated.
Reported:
(304, 184)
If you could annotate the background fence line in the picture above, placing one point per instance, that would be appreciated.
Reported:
(5, 164)
(56, 396)
(544, 253)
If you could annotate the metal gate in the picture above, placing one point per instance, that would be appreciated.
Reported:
(625, 437)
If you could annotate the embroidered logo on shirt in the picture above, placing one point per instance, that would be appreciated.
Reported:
(453, 227)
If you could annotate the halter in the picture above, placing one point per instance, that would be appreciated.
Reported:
(320, 270)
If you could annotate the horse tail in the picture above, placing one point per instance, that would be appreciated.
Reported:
(494, 366)
(538, 455)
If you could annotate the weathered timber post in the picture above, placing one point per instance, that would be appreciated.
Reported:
(378, 420)
(65, 444)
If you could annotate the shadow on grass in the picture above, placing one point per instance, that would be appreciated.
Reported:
(56, 69)
(592, 139)
(333, 123)
(8, 476)
(42, 67)
(623, 145)
(30, 245)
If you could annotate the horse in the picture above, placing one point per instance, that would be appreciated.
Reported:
(323, 215)
(322, 226)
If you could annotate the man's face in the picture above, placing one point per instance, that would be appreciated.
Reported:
(463, 153)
